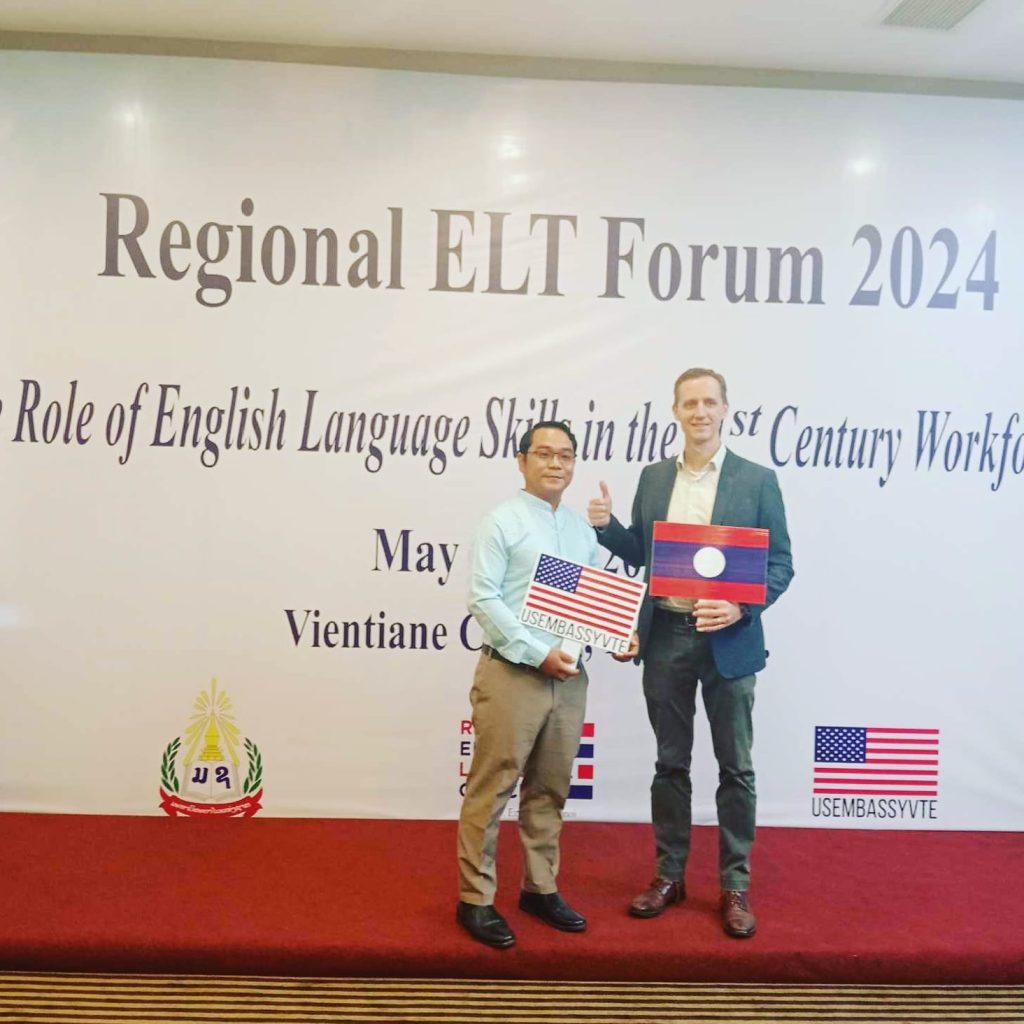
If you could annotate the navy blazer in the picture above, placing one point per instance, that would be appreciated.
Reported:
(748, 495)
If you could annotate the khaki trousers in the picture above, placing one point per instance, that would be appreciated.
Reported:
(525, 725)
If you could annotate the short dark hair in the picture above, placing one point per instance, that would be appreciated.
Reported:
(527, 439)
(692, 374)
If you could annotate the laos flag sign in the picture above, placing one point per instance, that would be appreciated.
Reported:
(727, 563)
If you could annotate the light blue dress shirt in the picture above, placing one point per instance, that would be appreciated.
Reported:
(505, 550)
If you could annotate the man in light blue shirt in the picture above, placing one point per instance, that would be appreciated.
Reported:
(528, 696)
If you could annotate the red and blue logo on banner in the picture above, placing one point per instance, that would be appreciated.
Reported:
(727, 563)
(583, 768)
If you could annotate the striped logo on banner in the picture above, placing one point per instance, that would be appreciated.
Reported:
(582, 785)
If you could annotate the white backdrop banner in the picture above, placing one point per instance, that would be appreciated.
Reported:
(271, 334)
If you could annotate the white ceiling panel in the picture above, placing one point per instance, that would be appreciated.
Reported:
(844, 36)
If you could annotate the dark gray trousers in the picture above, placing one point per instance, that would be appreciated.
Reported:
(676, 659)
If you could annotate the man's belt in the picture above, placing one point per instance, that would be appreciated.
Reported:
(488, 651)
(492, 653)
(685, 620)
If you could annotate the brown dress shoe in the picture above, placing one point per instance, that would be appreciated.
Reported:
(661, 893)
(737, 919)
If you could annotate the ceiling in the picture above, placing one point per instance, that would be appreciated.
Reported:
(830, 36)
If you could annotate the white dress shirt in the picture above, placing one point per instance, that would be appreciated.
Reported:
(693, 501)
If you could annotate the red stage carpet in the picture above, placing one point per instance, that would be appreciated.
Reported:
(377, 898)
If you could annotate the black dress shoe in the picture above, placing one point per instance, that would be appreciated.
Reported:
(552, 910)
(485, 924)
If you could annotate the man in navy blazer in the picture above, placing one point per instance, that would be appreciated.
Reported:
(718, 644)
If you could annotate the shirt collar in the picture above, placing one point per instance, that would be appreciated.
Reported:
(716, 460)
(539, 504)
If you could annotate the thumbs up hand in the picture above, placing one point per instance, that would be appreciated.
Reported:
(599, 511)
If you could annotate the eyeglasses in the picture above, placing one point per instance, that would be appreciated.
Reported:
(565, 458)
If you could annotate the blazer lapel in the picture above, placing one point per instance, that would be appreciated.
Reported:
(723, 496)
(661, 493)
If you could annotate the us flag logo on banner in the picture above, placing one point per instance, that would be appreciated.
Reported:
(588, 606)
(872, 761)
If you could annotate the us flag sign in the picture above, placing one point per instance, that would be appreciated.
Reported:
(581, 604)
